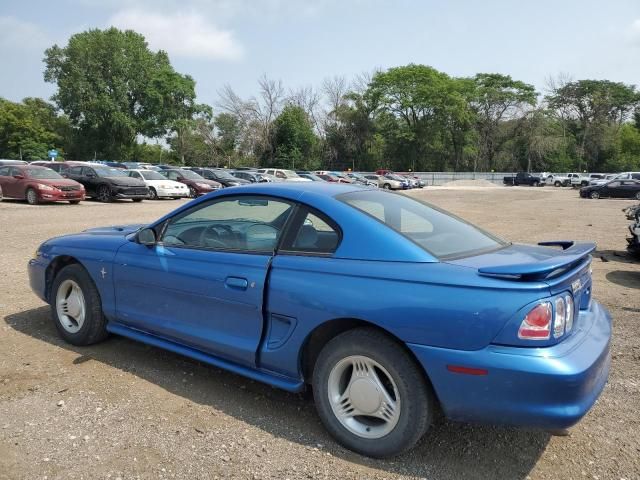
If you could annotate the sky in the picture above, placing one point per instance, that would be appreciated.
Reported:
(301, 42)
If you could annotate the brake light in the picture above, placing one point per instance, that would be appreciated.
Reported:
(570, 312)
(537, 324)
(560, 317)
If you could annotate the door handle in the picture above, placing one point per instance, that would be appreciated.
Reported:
(237, 283)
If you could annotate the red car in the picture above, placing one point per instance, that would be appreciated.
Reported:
(38, 184)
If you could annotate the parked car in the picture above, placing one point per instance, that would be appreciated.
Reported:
(613, 189)
(11, 162)
(223, 177)
(37, 184)
(628, 176)
(119, 165)
(249, 176)
(601, 181)
(330, 178)
(522, 178)
(107, 183)
(359, 178)
(392, 181)
(556, 179)
(383, 171)
(446, 317)
(311, 176)
(196, 184)
(283, 174)
(159, 186)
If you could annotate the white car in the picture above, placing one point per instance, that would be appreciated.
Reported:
(284, 175)
(601, 181)
(159, 185)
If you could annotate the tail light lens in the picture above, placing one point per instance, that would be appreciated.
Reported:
(570, 312)
(537, 324)
(560, 317)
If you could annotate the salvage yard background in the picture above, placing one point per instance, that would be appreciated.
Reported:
(122, 409)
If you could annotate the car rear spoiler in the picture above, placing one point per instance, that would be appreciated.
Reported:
(570, 255)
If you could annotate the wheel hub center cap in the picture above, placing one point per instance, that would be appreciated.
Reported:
(73, 306)
(365, 395)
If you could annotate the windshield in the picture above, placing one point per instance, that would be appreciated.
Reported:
(109, 172)
(151, 175)
(44, 173)
(190, 175)
(440, 233)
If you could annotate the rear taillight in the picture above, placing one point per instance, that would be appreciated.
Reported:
(570, 312)
(560, 317)
(537, 324)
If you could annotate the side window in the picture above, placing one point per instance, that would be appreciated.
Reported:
(88, 172)
(249, 224)
(280, 174)
(614, 184)
(14, 171)
(316, 234)
(4, 171)
(135, 175)
(75, 171)
(172, 175)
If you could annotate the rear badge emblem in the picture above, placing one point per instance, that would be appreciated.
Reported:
(576, 285)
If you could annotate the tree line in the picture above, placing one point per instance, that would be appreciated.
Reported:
(118, 100)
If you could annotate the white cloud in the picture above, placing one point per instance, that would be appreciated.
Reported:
(180, 34)
(17, 34)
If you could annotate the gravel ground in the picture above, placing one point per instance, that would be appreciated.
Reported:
(124, 410)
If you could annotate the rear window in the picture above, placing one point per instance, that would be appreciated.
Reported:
(440, 233)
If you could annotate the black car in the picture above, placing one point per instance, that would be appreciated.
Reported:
(108, 183)
(249, 176)
(220, 176)
(613, 189)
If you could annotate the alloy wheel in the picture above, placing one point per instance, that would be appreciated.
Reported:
(364, 397)
(70, 306)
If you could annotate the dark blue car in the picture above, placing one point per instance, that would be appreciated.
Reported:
(387, 307)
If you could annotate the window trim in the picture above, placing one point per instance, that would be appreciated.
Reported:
(195, 208)
(295, 223)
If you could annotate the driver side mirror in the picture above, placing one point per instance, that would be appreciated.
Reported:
(146, 236)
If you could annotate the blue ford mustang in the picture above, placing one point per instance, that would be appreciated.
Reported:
(388, 307)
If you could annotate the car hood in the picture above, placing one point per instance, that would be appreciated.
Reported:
(129, 181)
(62, 182)
(115, 230)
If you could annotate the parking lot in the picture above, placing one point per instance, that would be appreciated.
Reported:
(122, 409)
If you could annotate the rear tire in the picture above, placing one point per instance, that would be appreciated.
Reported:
(32, 197)
(638, 196)
(137, 200)
(104, 194)
(534, 184)
(557, 183)
(74, 202)
(76, 307)
(192, 192)
(388, 384)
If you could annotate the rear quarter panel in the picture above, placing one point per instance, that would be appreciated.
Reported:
(432, 304)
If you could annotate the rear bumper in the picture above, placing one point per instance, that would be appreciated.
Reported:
(550, 388)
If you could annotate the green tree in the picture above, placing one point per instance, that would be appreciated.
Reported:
(114, 89)
(293, 138)
(592, 111)
(497, 98)
(29, 129)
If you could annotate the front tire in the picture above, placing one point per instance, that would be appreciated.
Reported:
(386, 186)
(556, 183)
(594, 195)
(638, 196)
(76, 307)
(534, 184)
(137, 200)
(104, 194)
(32, 197)
(370, 395)
(153, 195)
(192, 192)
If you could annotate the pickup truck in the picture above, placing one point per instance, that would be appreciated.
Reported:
(523, 178)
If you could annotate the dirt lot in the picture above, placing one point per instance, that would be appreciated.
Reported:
(125, 410)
